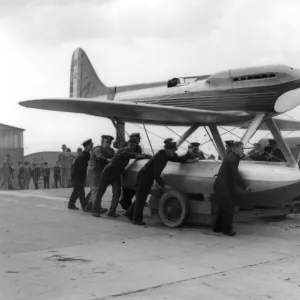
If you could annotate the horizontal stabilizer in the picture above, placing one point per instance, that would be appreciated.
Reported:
(138, 113)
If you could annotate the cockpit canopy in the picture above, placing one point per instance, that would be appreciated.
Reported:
(175, 81)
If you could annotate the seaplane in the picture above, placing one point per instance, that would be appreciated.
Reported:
(251, 97)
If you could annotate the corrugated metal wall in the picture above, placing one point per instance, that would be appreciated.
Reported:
(11, 142)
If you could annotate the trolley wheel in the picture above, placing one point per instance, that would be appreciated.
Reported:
(173, 208)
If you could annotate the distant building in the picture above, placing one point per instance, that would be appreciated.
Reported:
(11, 142)
(47, 156)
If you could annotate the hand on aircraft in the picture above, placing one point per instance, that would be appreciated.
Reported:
(247, 189)
(166, 188)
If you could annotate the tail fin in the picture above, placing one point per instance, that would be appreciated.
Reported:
(84, 82)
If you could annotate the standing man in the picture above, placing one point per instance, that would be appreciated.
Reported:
(127, 194)
(27, 175)
(257, 153)
(79, 151)
(225, 188)
(56, 175)
(228, 147)
(151, 171)
(100, 157)
(21, 175)
(7, 170)
(64, 162)
(78, 176)
(194, 152)
(276, 153)
(36, 173)
(112, 175)
(46, 175)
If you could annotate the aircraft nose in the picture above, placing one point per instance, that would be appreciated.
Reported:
(287, 101)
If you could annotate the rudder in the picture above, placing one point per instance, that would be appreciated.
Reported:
(84, 81)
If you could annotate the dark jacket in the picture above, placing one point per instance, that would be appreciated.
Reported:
(99, 158)
(21, 172)
(79, 167)
(192, 155)
(155, 166)
(118, 163)
(228, 178)
(36, 173)
(45, 171)
(278, 156)
(56, 171)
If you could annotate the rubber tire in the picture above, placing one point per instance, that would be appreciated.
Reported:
(184, 202)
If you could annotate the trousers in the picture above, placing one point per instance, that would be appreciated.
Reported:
(46, 182)
(56, 181)
(64, 177)
(126, 198)
(144, 184)
(78, 192)
(5, 180)
(224, 218)
(116, 192)
(21, 183)
(26, 183)
(93, 179)
(36, 183)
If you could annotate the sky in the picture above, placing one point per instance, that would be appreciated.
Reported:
(130, 41)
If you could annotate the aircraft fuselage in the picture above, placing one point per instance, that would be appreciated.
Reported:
(251, 90)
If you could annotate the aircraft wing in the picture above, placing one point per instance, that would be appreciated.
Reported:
(138, 113)
(282, 124)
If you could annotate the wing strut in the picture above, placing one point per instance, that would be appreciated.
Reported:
(281, 143)
(217, 138)
(148, 138)
(255, 124)
(188, 133)
(211, 139)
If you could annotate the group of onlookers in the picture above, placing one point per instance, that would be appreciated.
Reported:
(270, 152)
(27, 173)
(30, 174)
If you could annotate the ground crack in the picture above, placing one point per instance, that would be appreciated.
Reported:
(196, 277)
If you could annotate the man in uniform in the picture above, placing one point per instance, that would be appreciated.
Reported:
(112, 175)
(21, 175)
(7, 171)
(79, 151)
(150, 172)
(228, 147)
(36, 173)
(78, 176)
(127, 194)
(257, 153)
(194, 152)
(56, 175)
(276, 153)
(100, 157)
(225, 186)
(64, 162)
(27, 175)
(46, 175)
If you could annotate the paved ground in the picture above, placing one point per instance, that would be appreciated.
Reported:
(48, 252)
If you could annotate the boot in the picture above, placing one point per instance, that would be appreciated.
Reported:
(72, 206)
(88, 208)
(229, 232)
